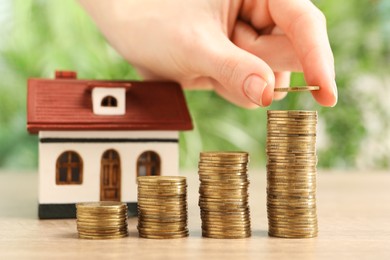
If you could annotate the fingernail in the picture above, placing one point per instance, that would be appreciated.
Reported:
(255, 87)
(268, 95)
(335, 92)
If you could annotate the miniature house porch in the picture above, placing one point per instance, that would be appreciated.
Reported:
(89, 151)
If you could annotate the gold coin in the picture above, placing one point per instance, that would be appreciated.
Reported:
(162, 185)
(162, 215)
(295, 229)
(158, 203)
(151, 228)
(274, 179)
(156, 193)
(163, 236)
(167, 189)
(162, 219)
(101, 222)
(224, 154)
(223, 190)
(222, 174)
(287, 118)
(230, 169)
(102, 237)
(225, 195)
(161, 232)
(294, 202)
(291, 178)
(86, 217)
(237, 174)
(225, 236)
(227, 204)
(151, 209)
(145, 223)
(101, 204)
(308, 221)
(101, 230)
(168, 204)
(291, 112)
(224, 184)
(291, 174)
(293, 127)
(161, 180)
(225, 223)
(159, 197)
(224, 164)
(206, 220)
(220, 161)
(228, 194)
(225, 218)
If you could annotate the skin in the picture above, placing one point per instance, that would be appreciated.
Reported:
(242, 49)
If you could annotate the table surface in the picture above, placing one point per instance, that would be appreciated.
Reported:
(353, 215)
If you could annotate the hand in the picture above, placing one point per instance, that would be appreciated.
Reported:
(240, 48)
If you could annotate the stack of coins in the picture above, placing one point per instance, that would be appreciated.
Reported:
(291, 174)
(224, 194)
(162, 207)
(102, 220)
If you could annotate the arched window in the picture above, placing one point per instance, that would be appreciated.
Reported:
(109, 101)
(110, 176)
(69, 168)
(148, 164)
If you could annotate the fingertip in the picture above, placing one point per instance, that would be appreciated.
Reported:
(268, 94)
(258, 90)
(327, 95)
(282, 80)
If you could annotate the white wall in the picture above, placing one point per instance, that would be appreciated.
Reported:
(91, 154)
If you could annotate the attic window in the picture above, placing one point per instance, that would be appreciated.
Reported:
(109, 101)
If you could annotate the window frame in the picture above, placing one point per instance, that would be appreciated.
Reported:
(149, 163)
(69, 165)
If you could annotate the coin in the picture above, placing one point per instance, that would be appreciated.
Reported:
(101, 220)
(225, 154)
(162, 207)
(223, 191)
(153, 236)
(291, 172)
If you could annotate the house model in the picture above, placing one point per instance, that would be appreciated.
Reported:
(96, 137)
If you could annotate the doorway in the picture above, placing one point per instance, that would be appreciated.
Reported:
(110, 176)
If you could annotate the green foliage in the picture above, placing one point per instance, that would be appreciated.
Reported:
(38, 37)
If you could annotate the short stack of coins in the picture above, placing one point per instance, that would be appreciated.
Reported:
(162, 207)
(224, 194)
(291, 174)
(101, 220)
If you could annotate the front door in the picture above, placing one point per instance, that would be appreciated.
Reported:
(110, 176)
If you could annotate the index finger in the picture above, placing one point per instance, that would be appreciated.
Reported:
(305, 26)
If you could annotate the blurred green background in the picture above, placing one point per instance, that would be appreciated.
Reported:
(37, 37)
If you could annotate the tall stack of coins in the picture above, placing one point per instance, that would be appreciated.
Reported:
(102, 220)
(291, 174)
(162, 207)
(224, 194)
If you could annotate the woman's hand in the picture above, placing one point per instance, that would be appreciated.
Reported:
(241, 49)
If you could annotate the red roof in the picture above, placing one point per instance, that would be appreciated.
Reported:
(66, 104)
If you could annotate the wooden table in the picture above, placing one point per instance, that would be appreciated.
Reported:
(353, 212)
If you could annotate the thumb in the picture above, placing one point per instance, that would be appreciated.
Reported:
(246, 79)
